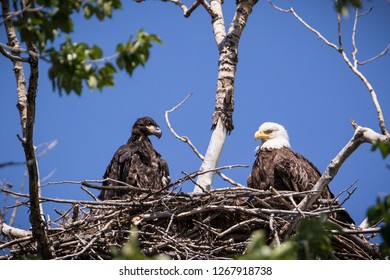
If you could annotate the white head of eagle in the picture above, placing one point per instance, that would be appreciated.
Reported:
(273, 136)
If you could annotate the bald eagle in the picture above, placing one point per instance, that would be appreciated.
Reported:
(277, 166)
(137, 163)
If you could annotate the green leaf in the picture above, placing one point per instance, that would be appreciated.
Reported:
(88, 11)
(95, 52)
(71, 68)
(259, 250)
(381, 213)
(343, 5)
(314, 238)
(135, 52)
(383, 146)
(101, 8)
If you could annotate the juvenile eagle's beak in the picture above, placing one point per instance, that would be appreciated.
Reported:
(261, 135)
(155, 130)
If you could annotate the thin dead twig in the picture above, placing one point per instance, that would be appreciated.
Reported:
(352, 65)
(186, 140)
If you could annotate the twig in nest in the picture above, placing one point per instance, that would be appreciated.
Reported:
(273, 229)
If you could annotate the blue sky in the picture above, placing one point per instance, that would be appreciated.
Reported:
(285, 74)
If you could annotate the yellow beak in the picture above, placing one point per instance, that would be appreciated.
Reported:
(261, 135)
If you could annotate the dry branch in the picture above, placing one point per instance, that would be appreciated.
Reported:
(187, 140)
(353, 65)
(12, 231)
(361, 135)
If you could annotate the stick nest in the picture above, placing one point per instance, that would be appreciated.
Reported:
(214, 225)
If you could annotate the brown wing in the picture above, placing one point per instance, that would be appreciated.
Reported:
(298, 174)
(117, 170)
(138, 165)
(294, 171)
(148, 170)
(262, 174)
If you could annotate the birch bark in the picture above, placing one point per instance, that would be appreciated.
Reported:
(222, 122)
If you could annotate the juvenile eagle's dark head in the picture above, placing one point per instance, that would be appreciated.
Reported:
(146, 126)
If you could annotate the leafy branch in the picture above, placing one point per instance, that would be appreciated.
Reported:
(73, 64)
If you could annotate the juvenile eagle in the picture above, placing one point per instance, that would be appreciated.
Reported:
(277, 166)
(137, 163)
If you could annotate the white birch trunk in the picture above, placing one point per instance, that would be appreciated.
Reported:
(211, 159)
(224, 105)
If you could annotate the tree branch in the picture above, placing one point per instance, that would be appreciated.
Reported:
(361, 135)
(355, 50)
(352, 66)
(186, 140)
(384, 52)
(10, 56)
(27, 8)
(12, 231)
(26, 105)
(319, 35)
(218, 22)
(186, 11)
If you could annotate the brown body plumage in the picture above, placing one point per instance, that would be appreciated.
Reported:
(137, 163)
(277, 166)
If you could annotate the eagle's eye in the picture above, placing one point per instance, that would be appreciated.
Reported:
(268, 131)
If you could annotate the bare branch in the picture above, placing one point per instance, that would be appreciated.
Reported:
(351, 65)
(178, 3)
(49, 146)
(195, 174)
(186, 140)
(218, 22)
(361, 135)
(355, 50)
(17, 199)
(206, 5)
(230, 180)
(27, 8)
(12, 231)
(15, 53)
(10, 56)
(384, 52)
(239, 225)
(371, 90)
(11, 163)
(339, 32)
(344, 231)
(315, 31)
(194, 6)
